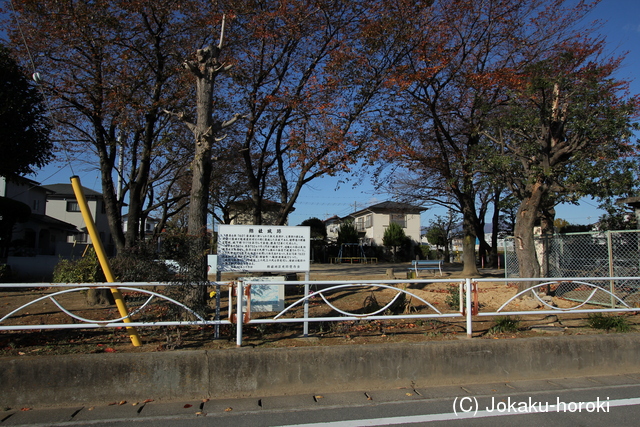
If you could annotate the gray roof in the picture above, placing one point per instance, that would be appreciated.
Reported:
(390, 207)
(53, 222)
(66, 190)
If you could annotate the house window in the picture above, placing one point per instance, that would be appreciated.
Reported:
(77, 238)
(360, 224)
(399, 219)
(73, 206)
(368, 221)
(36, 205)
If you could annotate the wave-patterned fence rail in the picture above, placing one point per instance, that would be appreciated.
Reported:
(154, 304)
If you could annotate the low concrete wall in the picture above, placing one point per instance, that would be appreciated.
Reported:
(87, 379)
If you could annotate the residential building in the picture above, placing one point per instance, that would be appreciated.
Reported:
(371, 222)
(32, 241)
(63, 205)
(332, 225)
(241, 212)
(149, 225)
(37, 233)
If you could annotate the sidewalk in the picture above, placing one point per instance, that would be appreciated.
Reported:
(154, 412)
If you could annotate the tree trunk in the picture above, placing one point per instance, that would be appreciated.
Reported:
(495, 225)
(202, 165)
(139, 182)
(446, 253)
(201, 168)
(528, 264)
(112, 209)
(469, 268)
(205, 67)
(99, 297)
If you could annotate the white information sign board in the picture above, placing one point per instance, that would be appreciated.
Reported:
(265, 297)
(263, 248)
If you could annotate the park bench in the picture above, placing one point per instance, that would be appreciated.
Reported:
(426, 264)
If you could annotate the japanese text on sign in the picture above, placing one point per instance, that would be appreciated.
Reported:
(263, 248)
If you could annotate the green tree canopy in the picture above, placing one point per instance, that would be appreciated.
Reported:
(617, 218)
(393, 237)
(347, 233)
(317, 228)
(436, 235)
(566, 132)
(24, 129)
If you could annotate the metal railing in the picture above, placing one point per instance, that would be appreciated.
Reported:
(54, 292)
(593, 290)
(323, 288)
(600, 294)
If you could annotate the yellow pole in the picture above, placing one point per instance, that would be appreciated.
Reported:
(104, 262)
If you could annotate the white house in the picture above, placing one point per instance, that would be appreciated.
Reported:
(63, 205)
(371, 222)
(149, 225)
(36, 233)
(332, 225)
(32, 241)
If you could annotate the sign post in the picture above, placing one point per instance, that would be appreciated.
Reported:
(264, 248)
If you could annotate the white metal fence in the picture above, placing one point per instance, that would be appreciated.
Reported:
(152, 305)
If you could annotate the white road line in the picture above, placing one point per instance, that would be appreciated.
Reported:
(448, 416)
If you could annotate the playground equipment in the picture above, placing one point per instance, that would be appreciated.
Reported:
(353, 253)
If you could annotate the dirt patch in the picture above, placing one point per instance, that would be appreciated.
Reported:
(434, 298)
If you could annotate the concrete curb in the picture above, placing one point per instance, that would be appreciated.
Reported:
(249, 372)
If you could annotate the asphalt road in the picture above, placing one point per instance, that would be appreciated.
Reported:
(588, 401)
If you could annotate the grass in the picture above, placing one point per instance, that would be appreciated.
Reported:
(505, 325)
(453, 299)
(608, 323)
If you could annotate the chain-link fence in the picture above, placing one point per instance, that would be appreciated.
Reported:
(594, 254)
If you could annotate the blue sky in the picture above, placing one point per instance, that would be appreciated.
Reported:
(328, 196)
(621, 26)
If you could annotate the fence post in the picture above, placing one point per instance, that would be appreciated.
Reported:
(239, 313)
(467, 284)
(305, 326)
(611, 268)
(216, 330)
